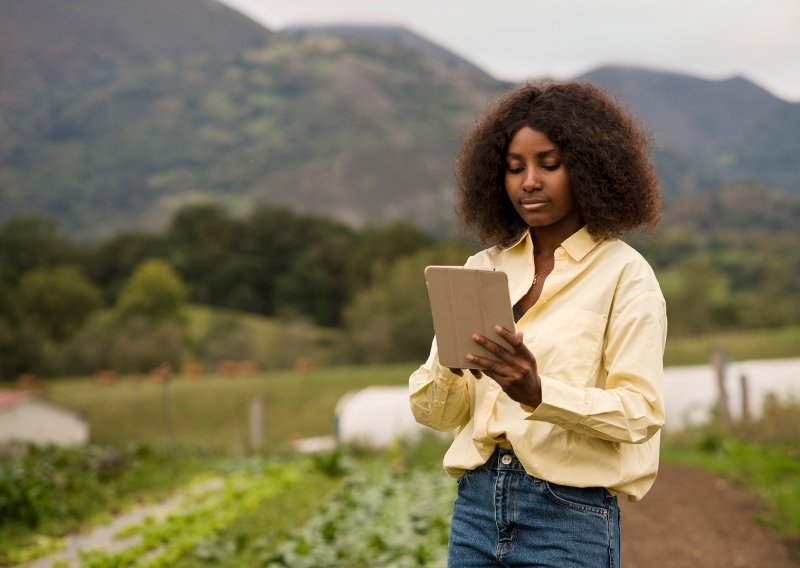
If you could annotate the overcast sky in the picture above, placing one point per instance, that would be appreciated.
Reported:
(517, 39)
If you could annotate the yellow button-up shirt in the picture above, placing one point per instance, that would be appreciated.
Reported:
(597, 332)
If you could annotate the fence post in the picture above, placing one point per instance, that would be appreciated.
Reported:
(256, 423)
(723, 408)
(745, 398)
(166, 404)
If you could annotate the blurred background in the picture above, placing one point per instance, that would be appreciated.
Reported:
(214, 219)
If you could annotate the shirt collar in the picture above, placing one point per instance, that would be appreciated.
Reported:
(577, 245)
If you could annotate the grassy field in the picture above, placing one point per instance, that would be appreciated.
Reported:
(740, 345)
(212, 411)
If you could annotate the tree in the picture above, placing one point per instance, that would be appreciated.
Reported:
(57, 301)
(204, 245)
(391, 320)
(154, 292)
(379, 246)
(697, 297)
(111, 262)
(20, 349)
(30, 242)
(315, 283)
(274, 239)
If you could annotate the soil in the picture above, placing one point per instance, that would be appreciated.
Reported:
(693, 519)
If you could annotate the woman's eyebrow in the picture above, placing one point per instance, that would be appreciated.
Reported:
(542, 154)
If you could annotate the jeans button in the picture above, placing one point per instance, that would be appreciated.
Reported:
(506, 459)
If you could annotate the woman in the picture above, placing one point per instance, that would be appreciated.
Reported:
(569, 417)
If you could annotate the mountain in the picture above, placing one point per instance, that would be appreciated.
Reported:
(688, 113)
(115, 114)
(736, 209)
(383, 34)
(710, 132)
(768, 151)
(45, 42)
(359, 128)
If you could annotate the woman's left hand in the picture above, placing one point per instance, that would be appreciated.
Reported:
(516, 372)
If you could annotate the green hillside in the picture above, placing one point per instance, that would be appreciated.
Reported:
(49, 42)
(737, 208)
(688, 113)
(711, 132)
(113, 115)
(354, 129)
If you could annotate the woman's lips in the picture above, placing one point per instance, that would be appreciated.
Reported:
(533, 204)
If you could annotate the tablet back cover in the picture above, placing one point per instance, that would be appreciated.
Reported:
(465, 301)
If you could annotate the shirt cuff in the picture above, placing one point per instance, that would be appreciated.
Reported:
(561, 403)
(443, 376)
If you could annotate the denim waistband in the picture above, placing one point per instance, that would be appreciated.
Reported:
(505, 460)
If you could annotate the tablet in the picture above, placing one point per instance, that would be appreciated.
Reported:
(466, 301)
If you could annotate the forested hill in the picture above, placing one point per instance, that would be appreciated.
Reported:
(46, 43)
(385, 34)
(688, 113)
(115, 114)
(715, 131)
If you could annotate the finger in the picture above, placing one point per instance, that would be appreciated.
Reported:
(456, 371)
(489, 366)
(514, 339)
(495, 348)
(476, 373)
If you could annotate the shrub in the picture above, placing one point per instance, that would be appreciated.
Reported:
(154, 292)
(57, 301)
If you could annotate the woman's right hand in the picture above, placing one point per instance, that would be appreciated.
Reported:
(460, 372)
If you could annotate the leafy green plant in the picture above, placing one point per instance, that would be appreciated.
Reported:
(203, 514)
(382, 516)
(47, 491)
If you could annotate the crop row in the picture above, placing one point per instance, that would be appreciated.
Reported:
(383, 517)
(162, 542)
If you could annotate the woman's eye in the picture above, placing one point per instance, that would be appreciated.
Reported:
(551, 167)
(514, 170)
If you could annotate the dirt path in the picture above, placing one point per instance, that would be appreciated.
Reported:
(692, 519)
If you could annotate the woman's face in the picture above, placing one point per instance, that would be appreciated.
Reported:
(537, 182)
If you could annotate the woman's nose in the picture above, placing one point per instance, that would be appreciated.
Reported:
(531, 181)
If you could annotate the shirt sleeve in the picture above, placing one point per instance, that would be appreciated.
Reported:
(439, 397)
(630, 409)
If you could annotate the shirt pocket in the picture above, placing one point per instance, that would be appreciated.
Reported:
(568, 345)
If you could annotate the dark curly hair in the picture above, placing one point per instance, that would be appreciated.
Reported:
(604, 151)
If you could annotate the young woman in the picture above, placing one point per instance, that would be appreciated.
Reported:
(569, 417)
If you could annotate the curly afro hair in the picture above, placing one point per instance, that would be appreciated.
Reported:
(603, 148)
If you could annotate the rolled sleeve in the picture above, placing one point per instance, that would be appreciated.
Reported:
(439, 398)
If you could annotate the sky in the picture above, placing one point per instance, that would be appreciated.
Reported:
(520, 39)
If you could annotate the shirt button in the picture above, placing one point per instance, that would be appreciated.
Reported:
(506, 459)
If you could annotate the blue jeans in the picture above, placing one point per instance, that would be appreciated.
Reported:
(505, 517)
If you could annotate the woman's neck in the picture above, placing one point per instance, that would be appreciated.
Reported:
(546, 239)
